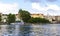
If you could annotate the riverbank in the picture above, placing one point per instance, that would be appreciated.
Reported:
(1, 23)
(40, 23)
(30, 23)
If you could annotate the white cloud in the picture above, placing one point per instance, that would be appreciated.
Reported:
(53, 7)
(8, 8)
(38, 7)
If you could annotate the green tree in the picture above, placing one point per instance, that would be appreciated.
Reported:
(0, 17)
(11, 18)
(38, 20)
(24, 15)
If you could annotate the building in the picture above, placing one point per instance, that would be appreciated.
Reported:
(50, 18)
(17, 17)
(4, 17)
(53, 19)
(57, 18)
(37, 15)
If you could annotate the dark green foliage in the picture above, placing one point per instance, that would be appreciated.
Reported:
(24, 15)
(11, 18)
(38, 20)
(0, 17)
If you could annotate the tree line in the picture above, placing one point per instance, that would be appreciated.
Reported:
(25, 16)
(10, 18)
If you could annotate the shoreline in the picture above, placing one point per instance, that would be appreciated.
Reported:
(31, 23)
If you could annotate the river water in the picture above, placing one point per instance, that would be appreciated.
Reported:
(46, 30)
(30, 30)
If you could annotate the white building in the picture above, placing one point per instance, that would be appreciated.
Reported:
(4, 17)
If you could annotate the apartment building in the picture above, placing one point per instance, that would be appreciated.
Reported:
(57, 18)
(4, 17)
(37, 15)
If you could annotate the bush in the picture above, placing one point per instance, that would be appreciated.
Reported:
(11, 18)
(38, 20)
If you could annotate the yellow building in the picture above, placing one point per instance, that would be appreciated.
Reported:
(37, 15)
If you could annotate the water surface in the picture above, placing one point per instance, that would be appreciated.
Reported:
(30, 30)
(45, 30)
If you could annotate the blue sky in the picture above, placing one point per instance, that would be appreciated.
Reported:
(51, 7)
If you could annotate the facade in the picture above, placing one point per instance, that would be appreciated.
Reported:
(37, 15)
(53, 19)
(4, 17)
(57, 18)
(50, 18)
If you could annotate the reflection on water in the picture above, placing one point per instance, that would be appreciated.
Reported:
(30, 30)
(45, 30)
